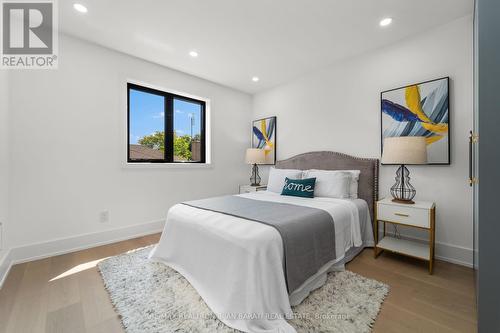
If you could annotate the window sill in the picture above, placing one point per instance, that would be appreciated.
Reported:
(131, 165)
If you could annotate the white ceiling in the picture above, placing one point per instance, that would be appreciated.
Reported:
(275, 40)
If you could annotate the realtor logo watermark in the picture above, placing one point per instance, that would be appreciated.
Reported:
(29, 34)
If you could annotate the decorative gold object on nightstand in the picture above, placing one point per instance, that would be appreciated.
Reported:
(420, 215)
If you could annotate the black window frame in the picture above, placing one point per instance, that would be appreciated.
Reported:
(168, 156)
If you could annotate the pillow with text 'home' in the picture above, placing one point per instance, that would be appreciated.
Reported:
(299, 187)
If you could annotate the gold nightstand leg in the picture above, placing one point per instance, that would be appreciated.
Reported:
(432, 240)
(375, 237)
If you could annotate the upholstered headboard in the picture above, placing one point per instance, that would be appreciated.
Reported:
(328, 160)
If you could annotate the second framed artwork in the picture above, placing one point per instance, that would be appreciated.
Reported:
(421, 109)
(264, 137)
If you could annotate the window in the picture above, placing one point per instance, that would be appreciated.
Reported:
(164, 127)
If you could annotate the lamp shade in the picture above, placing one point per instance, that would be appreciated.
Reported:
(405, 150)
(255, 156)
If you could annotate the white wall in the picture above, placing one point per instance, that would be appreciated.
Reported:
(338, 108)
(67, 140)
(4, 152)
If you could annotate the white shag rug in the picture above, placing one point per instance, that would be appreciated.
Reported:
(152, 297)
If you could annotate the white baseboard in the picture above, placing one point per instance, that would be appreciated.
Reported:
(59, 246)
(447, 252)
(455, 254)
(4, 265)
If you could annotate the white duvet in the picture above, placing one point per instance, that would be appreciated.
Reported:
(236, 265)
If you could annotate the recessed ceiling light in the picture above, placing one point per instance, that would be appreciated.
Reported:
(80, 8)
(255, 79)
(193, 54)
(385, 22)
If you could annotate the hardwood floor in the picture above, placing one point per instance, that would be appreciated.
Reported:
(66, 294)
(419, 302)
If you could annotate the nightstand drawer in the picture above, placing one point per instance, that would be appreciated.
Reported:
(406, 215)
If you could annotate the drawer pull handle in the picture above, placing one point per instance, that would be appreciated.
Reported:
(401, 214)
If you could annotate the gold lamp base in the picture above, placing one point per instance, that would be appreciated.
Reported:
(408, 202)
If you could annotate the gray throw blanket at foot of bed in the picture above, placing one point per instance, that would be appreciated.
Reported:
(308, 234)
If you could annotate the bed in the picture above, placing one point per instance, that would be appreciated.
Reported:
(237, 265)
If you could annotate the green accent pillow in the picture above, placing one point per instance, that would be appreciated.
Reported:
(299, 187)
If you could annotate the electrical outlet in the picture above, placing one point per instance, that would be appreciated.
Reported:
(104, 216)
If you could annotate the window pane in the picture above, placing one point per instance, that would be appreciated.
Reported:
(187, 131)
(147, 126)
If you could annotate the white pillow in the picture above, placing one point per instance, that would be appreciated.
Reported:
(330, 183)
(277, 177)
(354, 183)
(353, 191)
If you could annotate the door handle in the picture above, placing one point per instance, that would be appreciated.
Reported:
(473, 138)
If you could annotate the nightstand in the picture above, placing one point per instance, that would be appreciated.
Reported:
(250, 188)
(421, 215)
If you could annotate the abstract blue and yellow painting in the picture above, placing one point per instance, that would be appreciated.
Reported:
(420, 110)
(264, 137)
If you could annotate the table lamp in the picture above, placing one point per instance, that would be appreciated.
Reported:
(255, 156)
(404, 150)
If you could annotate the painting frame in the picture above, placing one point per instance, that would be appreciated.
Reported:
(448, 136)
(273, 139)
